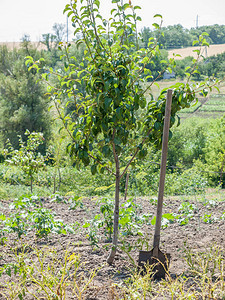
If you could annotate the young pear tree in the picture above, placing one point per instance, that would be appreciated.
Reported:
(27, 157)
(116, 116)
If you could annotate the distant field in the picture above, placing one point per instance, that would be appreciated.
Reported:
(205, 51)
(184, 52)
(16, 45)
(211, 107)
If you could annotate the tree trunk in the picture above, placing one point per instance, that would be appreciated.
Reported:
(112, 254)
(31, 184)
(54, 184)
(126, 186)
(60, 179)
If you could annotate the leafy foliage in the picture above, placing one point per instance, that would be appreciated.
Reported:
(176, 36)
(27, 157)
(111, 118)
(22, 102)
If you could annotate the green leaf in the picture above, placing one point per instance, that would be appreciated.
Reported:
(86, 225)
(197, 51)
(125, 220)
(153, 221)
(143, 103)
(158, 15)
(126, 5)
(168, 216)
(195, 43)
(157, 125)
(93, 169)
(97, 3)
(156, 25)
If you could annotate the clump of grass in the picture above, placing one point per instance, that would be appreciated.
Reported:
(47, 273)
(204, 278)
(43, 273)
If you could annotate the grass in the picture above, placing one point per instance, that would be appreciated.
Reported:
(72, 181)
(212, 108)
(215, 101)
(69, 278)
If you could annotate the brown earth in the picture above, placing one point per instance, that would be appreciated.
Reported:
(198, 234)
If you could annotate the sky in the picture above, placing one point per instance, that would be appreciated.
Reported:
(34, 18)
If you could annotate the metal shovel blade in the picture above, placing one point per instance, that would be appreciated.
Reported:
(160, 262)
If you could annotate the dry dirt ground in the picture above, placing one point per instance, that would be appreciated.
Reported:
(199, 234)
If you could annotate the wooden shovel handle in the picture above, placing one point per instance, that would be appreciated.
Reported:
(166, 128)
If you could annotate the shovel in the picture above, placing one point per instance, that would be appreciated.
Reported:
(156, 257)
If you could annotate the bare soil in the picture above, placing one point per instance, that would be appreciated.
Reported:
(199, 234)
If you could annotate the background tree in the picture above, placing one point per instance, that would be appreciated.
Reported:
(176, 36)
(51, 41)
(22, 102)
(27, 157)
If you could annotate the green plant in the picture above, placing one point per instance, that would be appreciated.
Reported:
(223, 216)
(58, 198)
(44, 223)
(93, 230)
(107, 211)
(187, 211)
(130, 221)
(187, 208)
(27, 157)
(17, 223)
(108, 92)
(208, 218)
(25, 202)
(167, 219)
(76, 202)
(3, 233)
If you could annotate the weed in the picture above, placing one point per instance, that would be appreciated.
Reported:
(208, 218)
(186, 208)
(207, 267)
(93, 227)
(53, 277)
(44, 223)
(107, 211)
(17, 223)
(27, 157)
(167, 219)
(58, 198)
(76, 202)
